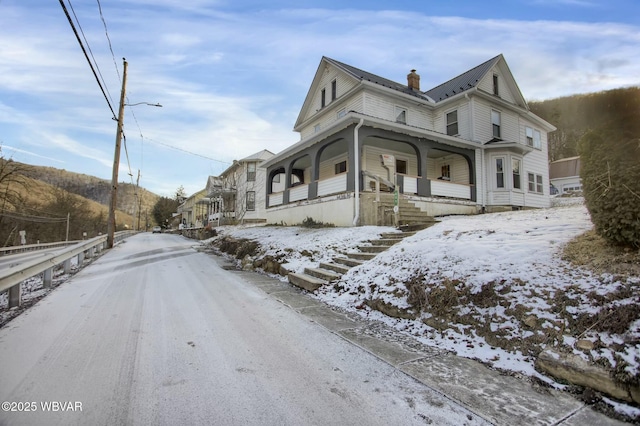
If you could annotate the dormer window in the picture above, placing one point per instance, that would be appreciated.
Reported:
(496, 90)
(401, 115)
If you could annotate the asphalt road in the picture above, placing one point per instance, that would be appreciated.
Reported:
(154, 332)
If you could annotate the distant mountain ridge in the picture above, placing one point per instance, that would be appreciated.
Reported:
(93, 188)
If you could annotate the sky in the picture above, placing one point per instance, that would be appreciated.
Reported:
(231, 76)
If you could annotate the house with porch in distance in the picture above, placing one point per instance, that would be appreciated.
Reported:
(238, 195)
(376, 152)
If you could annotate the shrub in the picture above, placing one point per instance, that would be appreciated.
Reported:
(610, 172)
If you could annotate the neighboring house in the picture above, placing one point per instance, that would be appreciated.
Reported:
(466, 146)
(565, 175)
(238, 194)
(194, 210)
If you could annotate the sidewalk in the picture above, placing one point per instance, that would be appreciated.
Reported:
(498, 398)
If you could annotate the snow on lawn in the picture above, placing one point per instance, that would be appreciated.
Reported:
(490, 287)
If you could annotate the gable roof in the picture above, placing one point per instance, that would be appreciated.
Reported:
(367, 76)
(465, 81)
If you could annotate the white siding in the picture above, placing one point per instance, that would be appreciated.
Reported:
(324, 121)
(297, 193)
(328, 169)
(384, 108)
(333, 185)
(440, 120)
(509, 123)
(458, 167)
(504, 92)
(448, 189)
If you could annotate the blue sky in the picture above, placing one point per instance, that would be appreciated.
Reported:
(232, 75)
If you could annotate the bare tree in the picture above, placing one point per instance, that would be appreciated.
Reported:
(12, 181)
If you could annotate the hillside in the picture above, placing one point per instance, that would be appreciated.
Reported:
(93, 188)
(577, 114)
(37, 200)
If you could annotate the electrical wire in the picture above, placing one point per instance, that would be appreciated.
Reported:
(66, 12)
(37, 219)
(90, 51)
(106, 33)
(188, 152)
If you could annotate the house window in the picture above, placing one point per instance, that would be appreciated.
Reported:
(323, 98)
(334, 90)
(537, 143)
(535, 183)
(251, 172)
(401, 115)
(515, 169)
(496, 90)
(445, 172)
(499, 172)
(401, 167)
(495, 122)
(251, 201)
(342, 112)
(452, 123)
(316, 128)
(341, 167)
(529, 135)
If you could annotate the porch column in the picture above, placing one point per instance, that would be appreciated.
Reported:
(351, 155)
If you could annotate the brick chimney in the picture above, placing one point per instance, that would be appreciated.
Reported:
(413, 81)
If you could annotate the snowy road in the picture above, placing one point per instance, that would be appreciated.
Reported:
(154, 332)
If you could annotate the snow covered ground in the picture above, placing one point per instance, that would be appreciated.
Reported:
(497, 280)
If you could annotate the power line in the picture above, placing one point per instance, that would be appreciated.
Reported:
(90, 51)
(37, 219)
(66, 12)
(188, 152)
(106, 33)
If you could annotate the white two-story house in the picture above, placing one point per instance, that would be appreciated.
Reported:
(238, 195)
(376, 152)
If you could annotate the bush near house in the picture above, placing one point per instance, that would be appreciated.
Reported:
(610, 175)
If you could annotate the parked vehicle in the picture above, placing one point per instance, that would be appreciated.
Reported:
(157, 229)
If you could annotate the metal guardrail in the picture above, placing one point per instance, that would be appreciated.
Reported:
(11, 278)
(34, 247)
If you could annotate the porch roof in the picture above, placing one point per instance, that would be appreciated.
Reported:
(353, 118)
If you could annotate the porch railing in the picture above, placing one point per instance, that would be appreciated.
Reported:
(449, 189)
(276, 199)
(298, 193)
(332, 185)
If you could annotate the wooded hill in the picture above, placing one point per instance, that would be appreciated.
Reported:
(37, 200)
(575, 115)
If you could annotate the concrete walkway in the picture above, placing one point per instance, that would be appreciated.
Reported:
(498, 398)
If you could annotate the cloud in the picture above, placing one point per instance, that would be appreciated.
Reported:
(232, 81)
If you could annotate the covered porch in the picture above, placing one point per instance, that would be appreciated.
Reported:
(326, 180)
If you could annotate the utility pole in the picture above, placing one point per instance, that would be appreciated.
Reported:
(111, 223)
(135, 203)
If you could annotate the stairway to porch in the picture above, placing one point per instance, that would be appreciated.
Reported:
(380, 212)
(326, 273)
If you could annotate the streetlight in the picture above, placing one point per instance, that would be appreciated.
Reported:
(111, 221)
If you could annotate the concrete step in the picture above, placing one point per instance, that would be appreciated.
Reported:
(351, 262)
(373, 249)
(394, 235)
(341, 269)
(323, 274)
(361, 256)
(385, 242)
(305, 281)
